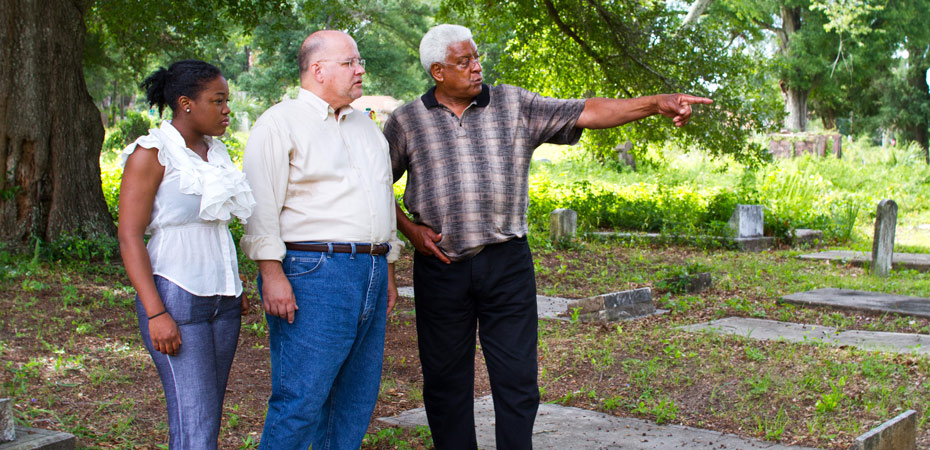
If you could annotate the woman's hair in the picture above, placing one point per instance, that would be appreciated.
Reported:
(188, 77)
(435, 43)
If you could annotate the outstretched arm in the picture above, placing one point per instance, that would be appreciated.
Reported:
(613, 112)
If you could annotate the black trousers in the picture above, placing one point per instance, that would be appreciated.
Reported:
(495, 293)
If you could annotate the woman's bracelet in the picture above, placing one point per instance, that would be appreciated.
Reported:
(156, 315)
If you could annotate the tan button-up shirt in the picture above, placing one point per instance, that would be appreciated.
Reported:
(317, 177)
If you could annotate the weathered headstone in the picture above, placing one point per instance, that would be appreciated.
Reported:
(806, 236)
(886, 218)
(624, 156)
(615, 306)
(691, 283)
(563, 224)
(7, 424)
(746, 221)
(790, 145)
(896, 434)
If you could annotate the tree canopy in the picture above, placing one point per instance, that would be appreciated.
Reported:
(570, 48)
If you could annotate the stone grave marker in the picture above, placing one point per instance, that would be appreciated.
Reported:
(7, 424)
(624, 156)
(896, 434)
(692, 283)
(805, 236)
(614, 306)
(746, 226)
(746, 221)
(886, 218)
(563, 224)
(789, 145)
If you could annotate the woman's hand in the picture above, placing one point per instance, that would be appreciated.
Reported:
(166, 337)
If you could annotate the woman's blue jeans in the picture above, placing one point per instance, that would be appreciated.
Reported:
(326, 366)
(195, 379)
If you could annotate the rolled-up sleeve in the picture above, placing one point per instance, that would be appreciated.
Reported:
(265, 163)
(396, 244)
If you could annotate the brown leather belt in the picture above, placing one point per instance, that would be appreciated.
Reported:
(366, 249)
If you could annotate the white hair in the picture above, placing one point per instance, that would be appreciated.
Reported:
(434, 46)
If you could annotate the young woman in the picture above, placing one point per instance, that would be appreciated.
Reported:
(181, 188)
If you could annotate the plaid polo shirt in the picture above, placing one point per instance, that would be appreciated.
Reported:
(467, 177)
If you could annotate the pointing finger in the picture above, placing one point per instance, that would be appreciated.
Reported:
(690, 99)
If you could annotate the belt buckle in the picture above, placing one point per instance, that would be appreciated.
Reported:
(371, 249)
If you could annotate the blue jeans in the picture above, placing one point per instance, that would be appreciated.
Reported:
(326, 366)
(195, 379)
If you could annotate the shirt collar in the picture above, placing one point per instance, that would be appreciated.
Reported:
(176, 137)
(318, 104)
(481, 100)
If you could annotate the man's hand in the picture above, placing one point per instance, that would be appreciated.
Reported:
(678, 106)
(424, 239)
(277, 294)
(166, 337)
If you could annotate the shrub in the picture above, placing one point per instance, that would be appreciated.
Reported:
(127, 130)
(80, 247)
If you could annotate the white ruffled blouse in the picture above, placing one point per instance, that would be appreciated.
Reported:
(190, 242)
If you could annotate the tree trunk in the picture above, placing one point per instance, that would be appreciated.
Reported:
(50, 130)
(828, 117)
(917, 79)
(796, 107)
(795, 98)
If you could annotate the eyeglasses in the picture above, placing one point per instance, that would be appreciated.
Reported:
(354, 62)
(466, 63)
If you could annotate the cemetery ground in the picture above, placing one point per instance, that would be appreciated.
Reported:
(73, 361)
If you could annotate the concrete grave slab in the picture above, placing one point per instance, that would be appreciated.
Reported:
(899, 433)
(862, 301)
(915, 261)
(754, 244)
(546, 307)
(762, 329)
(561, 427)
(748, 244)
(39, 439)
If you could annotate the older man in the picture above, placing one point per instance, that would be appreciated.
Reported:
(466, 148)
(320, 173)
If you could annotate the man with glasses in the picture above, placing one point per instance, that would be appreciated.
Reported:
(323, 234)
(466, 149)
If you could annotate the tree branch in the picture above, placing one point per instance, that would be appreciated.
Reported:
(625, 49)
(554, 14)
